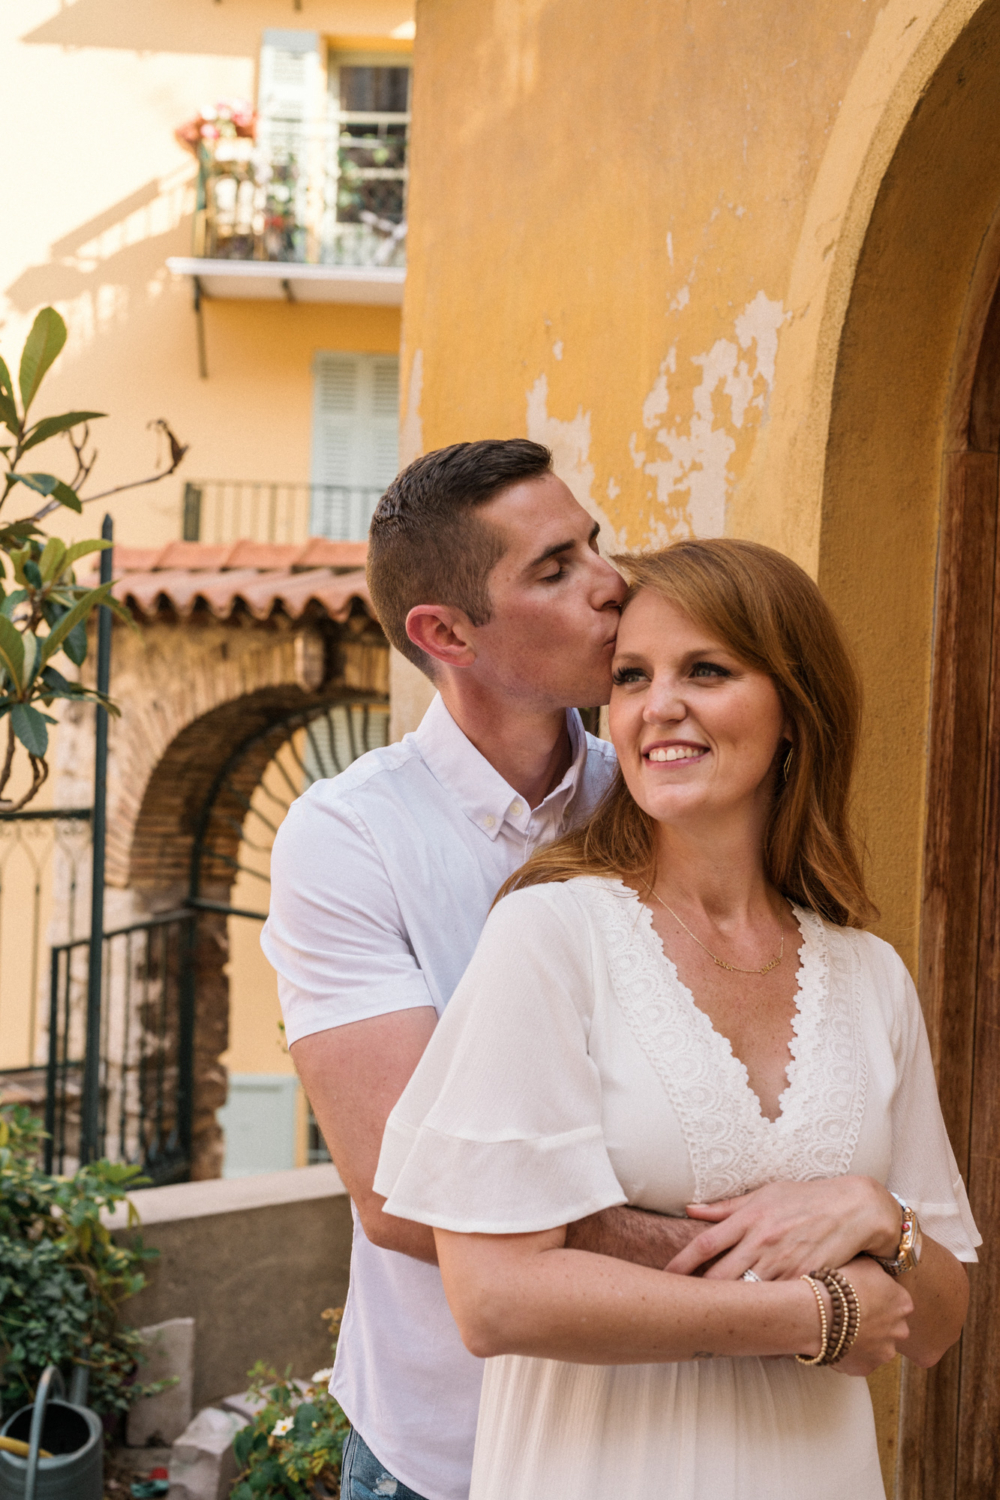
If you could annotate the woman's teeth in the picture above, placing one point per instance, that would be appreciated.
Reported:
(676, 752)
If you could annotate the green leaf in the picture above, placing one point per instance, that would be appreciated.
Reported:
(11, 652)
(16, 533)
(12, 601)
(75, 644)
(8, 406)
(30, 726)
(30, 643)
(51, 562)
(67, 497)
(81, 549)
(32, 573)
(53, 641)
(42, 484)
(49, 426)
(47, 336)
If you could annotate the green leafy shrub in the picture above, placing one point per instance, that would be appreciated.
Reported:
(62, 1278)
(294, 1446)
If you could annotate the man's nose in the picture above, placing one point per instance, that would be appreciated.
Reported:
(610, 586)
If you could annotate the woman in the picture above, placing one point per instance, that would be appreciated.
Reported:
(676, 1007)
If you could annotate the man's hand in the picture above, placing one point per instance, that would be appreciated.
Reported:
(353, 1076)
(788, 1229)
(633, 1234)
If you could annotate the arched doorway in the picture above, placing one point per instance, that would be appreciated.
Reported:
(908, 556)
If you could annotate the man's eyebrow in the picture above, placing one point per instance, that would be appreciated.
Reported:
(558, 547)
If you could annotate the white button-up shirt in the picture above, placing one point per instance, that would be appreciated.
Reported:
(381, 881)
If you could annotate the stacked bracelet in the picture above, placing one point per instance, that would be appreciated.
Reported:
(837, 1333)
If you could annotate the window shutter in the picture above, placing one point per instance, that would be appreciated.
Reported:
(289, 83)
(355, 439)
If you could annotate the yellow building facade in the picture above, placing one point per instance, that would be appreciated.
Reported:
(215, 281)
(735, 264)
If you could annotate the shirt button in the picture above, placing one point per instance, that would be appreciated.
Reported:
(489, 820)
(516, 809)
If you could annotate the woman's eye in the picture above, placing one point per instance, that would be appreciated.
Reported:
(627, 674)
(709, 669)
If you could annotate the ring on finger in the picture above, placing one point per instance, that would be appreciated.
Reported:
(749, 1275)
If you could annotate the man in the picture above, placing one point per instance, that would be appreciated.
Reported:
(485, 573)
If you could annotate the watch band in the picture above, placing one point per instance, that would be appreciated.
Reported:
(910, 1243)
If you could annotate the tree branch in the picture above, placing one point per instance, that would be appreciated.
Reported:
(177, 452)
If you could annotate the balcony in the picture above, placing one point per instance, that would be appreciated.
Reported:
(231, 510)
(308, 214)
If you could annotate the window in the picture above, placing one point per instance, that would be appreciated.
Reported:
(370, 113)
(355, 440)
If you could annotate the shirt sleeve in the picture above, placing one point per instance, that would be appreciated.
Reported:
(335, 934)
(499, 1130)
(924, 1172)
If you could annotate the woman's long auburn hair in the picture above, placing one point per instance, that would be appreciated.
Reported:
(773, 617)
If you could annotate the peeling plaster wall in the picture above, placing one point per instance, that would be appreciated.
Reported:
(605, 207)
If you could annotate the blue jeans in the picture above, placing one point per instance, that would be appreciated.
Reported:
(364, 1478)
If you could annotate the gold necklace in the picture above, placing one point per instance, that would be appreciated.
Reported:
(721, 962)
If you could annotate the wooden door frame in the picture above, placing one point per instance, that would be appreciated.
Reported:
(950, 1416)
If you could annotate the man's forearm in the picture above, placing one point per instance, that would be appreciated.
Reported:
(633, 1234)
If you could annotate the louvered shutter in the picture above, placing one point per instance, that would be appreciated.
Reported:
(355, 440)
(289, 84)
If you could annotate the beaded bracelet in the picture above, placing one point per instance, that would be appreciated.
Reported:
(838, 1333)
(824, 1339)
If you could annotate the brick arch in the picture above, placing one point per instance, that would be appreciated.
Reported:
(192, 694)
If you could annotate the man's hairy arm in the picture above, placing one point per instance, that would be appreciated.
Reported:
(645, 1239)
(354, 1074)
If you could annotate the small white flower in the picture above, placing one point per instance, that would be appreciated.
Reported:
(283, 1425)
(322, 1376)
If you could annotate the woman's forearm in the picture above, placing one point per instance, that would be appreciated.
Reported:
(527, 1294)
(939, 1286)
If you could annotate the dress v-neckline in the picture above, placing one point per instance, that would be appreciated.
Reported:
(732, 1144)
(720, 1041)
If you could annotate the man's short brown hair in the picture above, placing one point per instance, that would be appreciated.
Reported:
(427, 545)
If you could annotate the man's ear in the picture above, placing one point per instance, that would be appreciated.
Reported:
(443, 633)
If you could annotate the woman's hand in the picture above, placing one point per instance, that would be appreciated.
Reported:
(885, 1307)
(788, 1229)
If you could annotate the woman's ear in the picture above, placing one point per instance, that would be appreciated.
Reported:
(442, 633)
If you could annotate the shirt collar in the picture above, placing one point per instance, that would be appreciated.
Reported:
(479, 789)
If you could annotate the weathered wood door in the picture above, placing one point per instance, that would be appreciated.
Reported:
(951, 1415)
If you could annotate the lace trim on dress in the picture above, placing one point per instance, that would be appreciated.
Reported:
(733, 1146)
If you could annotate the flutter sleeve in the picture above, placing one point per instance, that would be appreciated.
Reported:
(924, 1171)
(499, 1130)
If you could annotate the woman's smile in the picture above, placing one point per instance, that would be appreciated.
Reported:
(674, 752)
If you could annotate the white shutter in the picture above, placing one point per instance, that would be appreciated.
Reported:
(355, 439)
(289, 84)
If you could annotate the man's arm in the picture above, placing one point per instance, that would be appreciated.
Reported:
(353, 1075)
(645, 1239)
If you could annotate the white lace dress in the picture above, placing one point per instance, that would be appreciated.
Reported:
(571, 1071)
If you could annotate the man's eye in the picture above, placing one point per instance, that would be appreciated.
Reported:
(553, 577)
(627, 674)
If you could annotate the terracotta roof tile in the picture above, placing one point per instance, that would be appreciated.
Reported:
(262, 577)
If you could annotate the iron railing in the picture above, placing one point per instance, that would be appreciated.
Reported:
(145, 1051)
(327, 195)
(230, 510)
(44, 884)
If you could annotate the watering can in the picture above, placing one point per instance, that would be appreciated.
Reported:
(64, 1441)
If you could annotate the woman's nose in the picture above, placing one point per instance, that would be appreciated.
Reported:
(664, 704)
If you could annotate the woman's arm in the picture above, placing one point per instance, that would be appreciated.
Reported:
(529, 1294)
(787, 1229)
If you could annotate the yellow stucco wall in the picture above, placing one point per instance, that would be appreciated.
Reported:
(100, 194)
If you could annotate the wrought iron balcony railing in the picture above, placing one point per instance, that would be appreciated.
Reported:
(232, 510)
(325, 196)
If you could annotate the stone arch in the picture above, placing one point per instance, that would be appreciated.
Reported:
(911, 434)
